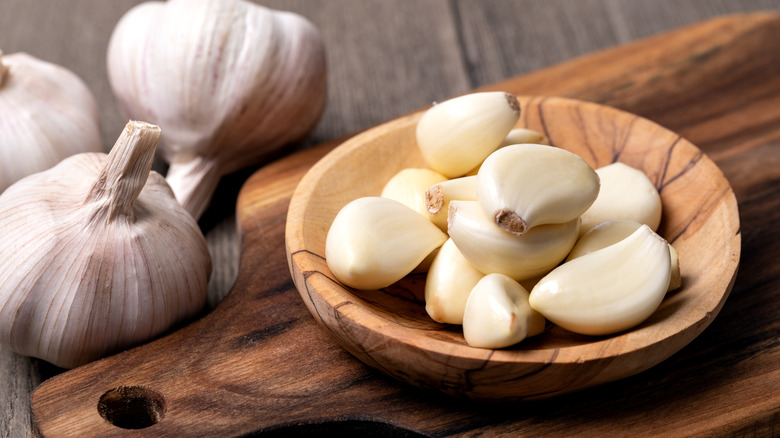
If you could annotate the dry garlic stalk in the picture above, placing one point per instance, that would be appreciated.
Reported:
(456, 135)
(229, 81)
(97, 255)
(609, 290)
(46, 114)
(374, 242)
(525, 185)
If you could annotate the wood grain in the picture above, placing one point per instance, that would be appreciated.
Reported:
(259, 362)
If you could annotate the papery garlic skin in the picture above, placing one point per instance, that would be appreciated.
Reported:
(46, 114)
(438, 197)
(609, 290)
(374, 242)
(229, 80)
(611, 232)
(492, 249)
(456, 135)
(525, 185)
(97, 257)
(448, 284)
(408, 187)
(497, 314)
(626, 193)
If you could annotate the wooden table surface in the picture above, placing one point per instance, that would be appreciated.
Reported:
(385, 59)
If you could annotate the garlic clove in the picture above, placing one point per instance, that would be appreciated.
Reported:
(611, 232)
(230, 81)
(517, 136)
(47, 113)
(498, 315)
(456, 135)
(609, 290)
(374, 242)
(492, 249)
(525, 185)
(99, 256)
(523, 136)
(626, 193)
(448, 284)
(408, 187)
(438, 197)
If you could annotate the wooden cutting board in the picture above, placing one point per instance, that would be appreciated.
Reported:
(260, 363)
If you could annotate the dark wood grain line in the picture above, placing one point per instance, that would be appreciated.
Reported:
(690, 165)
(662, 175)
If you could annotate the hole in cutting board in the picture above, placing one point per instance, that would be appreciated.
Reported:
(132, 407)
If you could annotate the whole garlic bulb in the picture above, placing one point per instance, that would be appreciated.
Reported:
(95, 257)
(229, 82)
(46, 114)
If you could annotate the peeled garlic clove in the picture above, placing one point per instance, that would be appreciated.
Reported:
(609, 290)
(493, 250)
(517, 136)
(438, 197)
(611, 232)
(229, 80)
(498, 315)
(626, 193)
(374, 242)
(408, 187)
(456, 135)
(97, 255)
(46, 114)
(448, 284)
(524, 136)
(522, 186)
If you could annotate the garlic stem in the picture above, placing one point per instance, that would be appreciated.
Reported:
(126, 171)
(194, 182)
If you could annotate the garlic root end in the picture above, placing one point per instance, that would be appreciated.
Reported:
(511, 221)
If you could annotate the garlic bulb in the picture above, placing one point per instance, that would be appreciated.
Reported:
(609, 290)
(46, 114)
(97, 255)
(374, 242)
(228, 80)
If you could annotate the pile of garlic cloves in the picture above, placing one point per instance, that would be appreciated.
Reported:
(520, 232)
(99, 256)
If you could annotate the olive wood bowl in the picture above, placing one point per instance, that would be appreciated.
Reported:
(389, 329)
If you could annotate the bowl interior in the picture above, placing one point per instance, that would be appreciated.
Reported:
(390, 330)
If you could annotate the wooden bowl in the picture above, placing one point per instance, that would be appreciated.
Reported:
(389, 329)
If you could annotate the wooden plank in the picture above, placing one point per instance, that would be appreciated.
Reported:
(259, 362)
